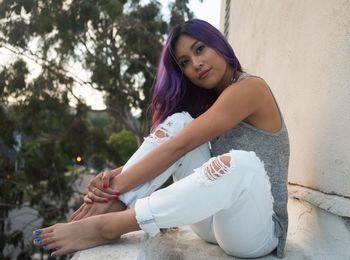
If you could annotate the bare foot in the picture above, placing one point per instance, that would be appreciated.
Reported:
(89, 232)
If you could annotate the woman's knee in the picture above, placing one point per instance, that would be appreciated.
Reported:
(204, 229)
(217, 167)
(245, 159)
(172, 125)
(238, 161)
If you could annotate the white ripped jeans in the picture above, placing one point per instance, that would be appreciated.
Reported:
(227, 204)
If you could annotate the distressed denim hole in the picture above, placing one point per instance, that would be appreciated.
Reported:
(160, 134)
(157, 137)
(217, 167)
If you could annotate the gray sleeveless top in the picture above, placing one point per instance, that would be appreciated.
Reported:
(273, 150)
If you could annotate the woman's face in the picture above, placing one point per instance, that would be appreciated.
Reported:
(202, 65)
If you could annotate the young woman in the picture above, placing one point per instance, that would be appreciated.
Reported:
(233, 193)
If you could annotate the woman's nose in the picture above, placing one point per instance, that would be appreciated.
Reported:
(198, 64)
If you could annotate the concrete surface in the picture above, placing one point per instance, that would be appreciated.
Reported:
(313, 234)
(302, 50)
(335, 204)
(127, 248)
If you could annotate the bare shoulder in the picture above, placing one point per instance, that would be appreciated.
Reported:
(251, 89)
(250, 84)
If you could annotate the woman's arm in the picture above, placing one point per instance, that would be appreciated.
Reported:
(235, 103)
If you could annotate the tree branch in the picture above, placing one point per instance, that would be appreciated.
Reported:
(42, 62)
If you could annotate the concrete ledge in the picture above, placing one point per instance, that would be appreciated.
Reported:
(332, 203)
(313, 234)
(127, 247)
(179, 244)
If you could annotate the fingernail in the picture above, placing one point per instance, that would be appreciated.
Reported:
(52, 254)
(38, 241)
(104, 185)
(117, 193)
(105, 200)
(37, 232)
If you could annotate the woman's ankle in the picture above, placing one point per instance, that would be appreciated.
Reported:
(108, 226)
(113, 225)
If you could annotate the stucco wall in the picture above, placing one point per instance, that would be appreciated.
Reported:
(302, 49)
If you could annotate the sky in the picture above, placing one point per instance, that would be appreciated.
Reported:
(208, 10)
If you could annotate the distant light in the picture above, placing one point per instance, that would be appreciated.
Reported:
(78, 158)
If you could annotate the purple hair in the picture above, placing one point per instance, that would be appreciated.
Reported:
(172, 91)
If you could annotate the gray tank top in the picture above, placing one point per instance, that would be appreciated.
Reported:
(273, 150)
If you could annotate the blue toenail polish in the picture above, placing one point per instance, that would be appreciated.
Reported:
(38, 241)
(37, 232)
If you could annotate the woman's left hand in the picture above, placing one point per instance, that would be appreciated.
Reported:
(99, 189)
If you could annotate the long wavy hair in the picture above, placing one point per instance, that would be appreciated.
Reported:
(172, 91)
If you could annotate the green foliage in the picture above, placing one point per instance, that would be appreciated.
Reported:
(179, 12)
(99, 152)
(117, 41)
(13, 79)
(122, 145)
(7, 126)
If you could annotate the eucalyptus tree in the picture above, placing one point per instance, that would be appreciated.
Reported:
(112, 46)
(116, 43)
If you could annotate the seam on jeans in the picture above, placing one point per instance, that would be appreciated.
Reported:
(267, 179)
(147, 221)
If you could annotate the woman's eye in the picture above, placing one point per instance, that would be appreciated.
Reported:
(183, 63)
(200, 49)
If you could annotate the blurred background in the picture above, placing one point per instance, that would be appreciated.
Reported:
(75, 90)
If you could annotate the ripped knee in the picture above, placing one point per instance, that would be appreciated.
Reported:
(159, 133)
(217, 167)
(158, 136)
(162, 130)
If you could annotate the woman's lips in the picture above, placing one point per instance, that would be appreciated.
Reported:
(203, 74)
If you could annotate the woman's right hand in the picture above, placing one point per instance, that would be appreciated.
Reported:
(87, 210)
(99, 189)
